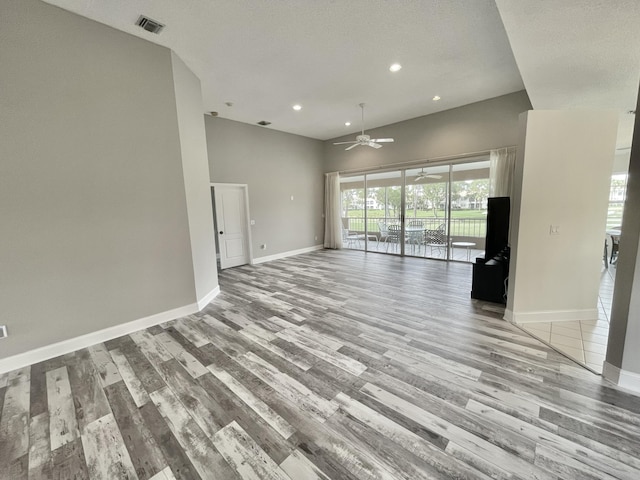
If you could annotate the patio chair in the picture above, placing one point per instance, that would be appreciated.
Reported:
(615, 245)
(394, 233)
(614, 234)
(436, 239)
(350, 239)
(384, 231)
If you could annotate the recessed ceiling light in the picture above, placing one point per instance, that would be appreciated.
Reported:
(347, 124)
(395, 67)
(436, 98)
(297, 107)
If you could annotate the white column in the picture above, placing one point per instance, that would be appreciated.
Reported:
(559, 210)
(195, 171)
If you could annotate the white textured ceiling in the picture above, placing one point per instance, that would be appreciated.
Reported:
(331, 55)
(577, 53)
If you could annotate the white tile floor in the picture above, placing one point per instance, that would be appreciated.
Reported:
(583, 341)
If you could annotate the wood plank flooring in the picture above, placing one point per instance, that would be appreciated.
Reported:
(329, 365)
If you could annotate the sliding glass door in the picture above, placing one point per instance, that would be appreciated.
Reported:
(427, 211)
(468, 225)
(384, 211)
(353, 212)
(432, 211)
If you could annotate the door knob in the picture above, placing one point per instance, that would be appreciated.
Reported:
(221, 232)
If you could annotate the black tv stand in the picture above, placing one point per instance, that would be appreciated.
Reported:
(490, 278)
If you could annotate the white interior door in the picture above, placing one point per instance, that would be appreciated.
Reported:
(231, 219)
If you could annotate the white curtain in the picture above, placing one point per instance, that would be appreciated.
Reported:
(332, 219)
(501, 171)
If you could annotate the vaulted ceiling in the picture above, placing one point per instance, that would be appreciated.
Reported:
(263, 57)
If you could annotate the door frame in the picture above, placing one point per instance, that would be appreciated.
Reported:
(245, 189)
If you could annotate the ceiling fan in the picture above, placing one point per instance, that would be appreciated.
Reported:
(422, 174)
(363, 139)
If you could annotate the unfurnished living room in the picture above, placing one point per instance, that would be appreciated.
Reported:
(309, 239)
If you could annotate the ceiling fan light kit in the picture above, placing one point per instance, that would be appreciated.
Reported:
(363, 139)
(422, 175)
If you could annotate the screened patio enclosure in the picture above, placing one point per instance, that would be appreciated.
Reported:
(435, 211)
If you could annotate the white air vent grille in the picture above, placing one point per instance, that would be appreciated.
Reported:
(149, 25)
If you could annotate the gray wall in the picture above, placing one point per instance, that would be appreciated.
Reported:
(476, 127)
(276, 166)
(92, 197)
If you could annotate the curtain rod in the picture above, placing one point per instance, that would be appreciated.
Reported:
(442, 159)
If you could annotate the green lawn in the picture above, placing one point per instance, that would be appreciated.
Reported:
(464, 223)
(422, 214)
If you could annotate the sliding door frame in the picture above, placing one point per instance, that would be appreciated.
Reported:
(450, 162)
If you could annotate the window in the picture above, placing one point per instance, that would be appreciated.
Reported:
(616, 200)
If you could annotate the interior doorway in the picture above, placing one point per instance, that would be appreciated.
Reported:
(231, 212)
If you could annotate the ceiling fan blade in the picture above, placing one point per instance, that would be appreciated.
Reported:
(374, 145)
(344, 143)
(352, 146)
(382, 140)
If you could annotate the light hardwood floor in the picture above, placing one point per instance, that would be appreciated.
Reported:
(333, 364)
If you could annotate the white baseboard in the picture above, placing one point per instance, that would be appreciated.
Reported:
(290, 253)
(204, 301)
(71, 345)
(551, 316)
(622, 378)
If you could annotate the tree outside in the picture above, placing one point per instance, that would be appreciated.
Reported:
(426, 201)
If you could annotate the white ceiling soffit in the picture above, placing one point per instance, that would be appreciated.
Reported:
(577, 53)
(328, 56)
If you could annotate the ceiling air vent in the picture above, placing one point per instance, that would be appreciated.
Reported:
(149, 25)
(264, 123)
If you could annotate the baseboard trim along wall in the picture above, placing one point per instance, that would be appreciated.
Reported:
(621, 378)
(290, 253)
(206, 300)
(551, 316)
(71, 345)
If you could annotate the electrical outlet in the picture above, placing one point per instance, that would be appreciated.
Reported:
(316, 237)
(253, 222)
(554, 229)
(3, 331)
(263, 246)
